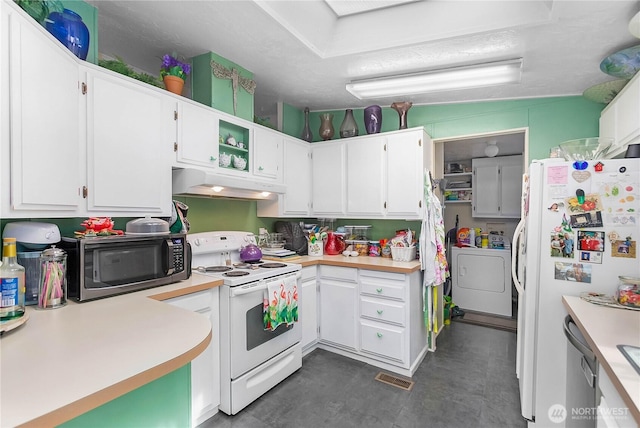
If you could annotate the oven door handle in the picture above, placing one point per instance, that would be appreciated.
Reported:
(257, 286)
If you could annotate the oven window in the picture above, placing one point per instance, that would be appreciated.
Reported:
(256, 334)
(124, 265)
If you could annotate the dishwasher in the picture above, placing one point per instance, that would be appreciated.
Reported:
(581, 378)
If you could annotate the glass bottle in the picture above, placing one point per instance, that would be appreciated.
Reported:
(306, 131)
(349, 127)
(12, 282)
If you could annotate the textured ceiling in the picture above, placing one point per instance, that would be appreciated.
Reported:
(302, 53)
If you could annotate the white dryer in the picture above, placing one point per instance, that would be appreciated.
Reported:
(481, 280)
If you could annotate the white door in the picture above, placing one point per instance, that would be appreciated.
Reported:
(46, 146)
(486, 188)
(366, 168)
(511, 188)
(197, 135)
(338, 312)
(309, 310)
(267, 153)
(404, 174)
(328, 183)
(297, 177)
(128, 149)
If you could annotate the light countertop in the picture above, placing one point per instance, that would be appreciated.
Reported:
(604, 328)
(360, 262)
(57, 365)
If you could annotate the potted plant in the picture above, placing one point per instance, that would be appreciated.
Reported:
(173, 73)
(119, 66)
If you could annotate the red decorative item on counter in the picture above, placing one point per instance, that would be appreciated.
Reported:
(95, 226)
(335, 244)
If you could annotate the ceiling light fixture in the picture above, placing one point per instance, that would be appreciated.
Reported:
(217, 189)
(473, 76)
(492, 149)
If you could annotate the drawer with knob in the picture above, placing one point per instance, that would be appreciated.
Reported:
(382, 339)
(382, 310)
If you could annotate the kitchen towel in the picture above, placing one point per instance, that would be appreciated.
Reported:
(280, 304)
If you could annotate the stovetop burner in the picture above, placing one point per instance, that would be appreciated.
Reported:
(236, 273)
(273, 265)
(214, 268)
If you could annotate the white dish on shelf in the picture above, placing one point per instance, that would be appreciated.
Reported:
(239, 163)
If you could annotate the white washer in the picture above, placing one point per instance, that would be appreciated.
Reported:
(481, 280)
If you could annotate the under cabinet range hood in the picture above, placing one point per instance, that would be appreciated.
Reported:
(189, 181)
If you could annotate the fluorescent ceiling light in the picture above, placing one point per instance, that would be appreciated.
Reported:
(474, 76)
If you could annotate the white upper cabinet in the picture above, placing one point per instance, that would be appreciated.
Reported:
(296, 170)
(620, 119)
(408, 154)
(328, 178)
(128, 147)
(267, 153)
(497, 186)
(42, 154)
(366, 176)
(196, 135)
(83, 140)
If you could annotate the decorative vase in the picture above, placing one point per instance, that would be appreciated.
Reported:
(68, 28)
(402, 108)
(326, 126)
(306, 131)
(173, 84)
(373, 119)
(349, 127)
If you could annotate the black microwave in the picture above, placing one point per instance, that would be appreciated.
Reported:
(104, 266)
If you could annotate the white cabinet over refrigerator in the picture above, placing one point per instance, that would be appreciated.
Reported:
(580, 233)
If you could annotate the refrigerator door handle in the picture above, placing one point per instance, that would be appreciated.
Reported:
(515, 245)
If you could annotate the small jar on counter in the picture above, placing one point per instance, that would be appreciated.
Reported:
(629, 291)
(52, 289)
(374, 249)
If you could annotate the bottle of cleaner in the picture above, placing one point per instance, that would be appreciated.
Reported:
(12, 282)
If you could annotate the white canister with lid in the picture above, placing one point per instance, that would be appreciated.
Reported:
(52, 286)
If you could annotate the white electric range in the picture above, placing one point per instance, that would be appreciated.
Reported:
(252, 359)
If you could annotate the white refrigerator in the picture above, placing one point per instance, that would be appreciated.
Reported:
(579, 232)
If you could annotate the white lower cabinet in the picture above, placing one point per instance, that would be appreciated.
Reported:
(309, 308)
(373, 316)
(205, 369)
(339, 306)
(612, 410)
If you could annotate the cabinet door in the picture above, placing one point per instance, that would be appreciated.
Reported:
(205, 368)
(328, 183)
(128, 149)
(511, 187)
(628, 112)
(366, 170)
(404, 174)
(339, 312)
(297, 177)
(267, 153)
(197, 135)
(486, 188)
(309, 312)
(46, 148)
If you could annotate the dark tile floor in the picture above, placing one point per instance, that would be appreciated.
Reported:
(469, 381)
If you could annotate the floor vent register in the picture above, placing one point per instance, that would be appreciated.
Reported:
(398, 382)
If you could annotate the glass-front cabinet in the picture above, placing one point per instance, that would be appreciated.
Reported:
(234, 143)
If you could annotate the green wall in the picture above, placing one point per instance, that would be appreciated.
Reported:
(218, 93)
(165, 402)
(550, 120)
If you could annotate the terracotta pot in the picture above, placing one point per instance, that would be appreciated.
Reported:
(173, 84)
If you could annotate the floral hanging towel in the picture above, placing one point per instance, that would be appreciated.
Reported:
(280, 305)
